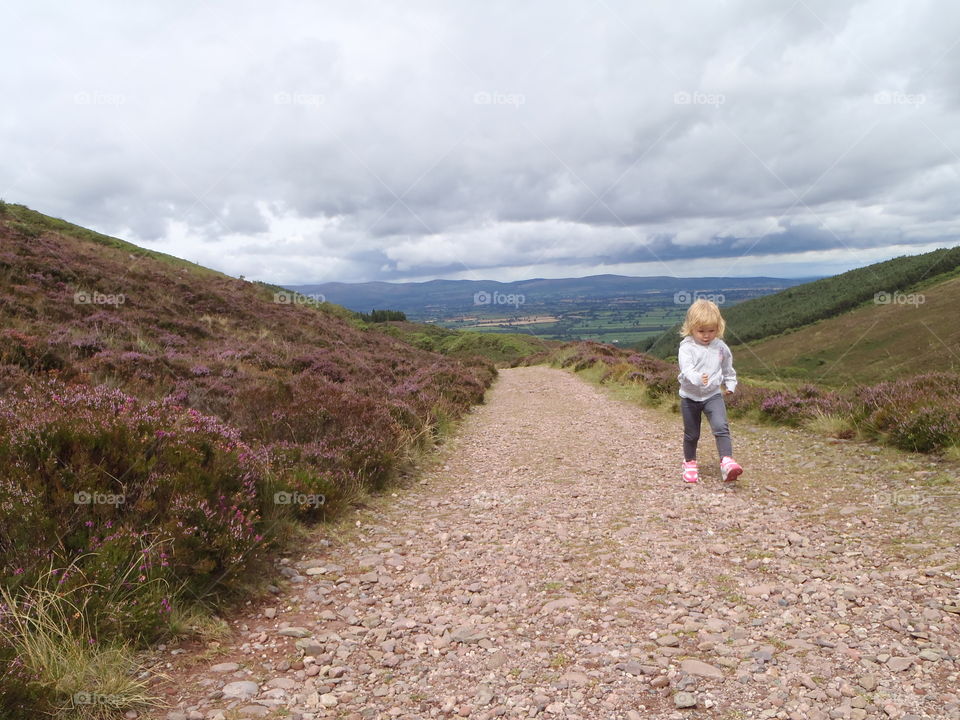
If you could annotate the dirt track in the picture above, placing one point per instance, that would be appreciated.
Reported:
(552, 564)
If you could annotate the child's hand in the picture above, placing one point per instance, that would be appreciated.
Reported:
(705, 378)
(727, 392)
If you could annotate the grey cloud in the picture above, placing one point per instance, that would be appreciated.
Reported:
(429, 138)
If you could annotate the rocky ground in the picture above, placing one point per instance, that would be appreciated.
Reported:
(550, 563)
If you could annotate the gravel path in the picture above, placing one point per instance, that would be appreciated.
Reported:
(550, 563)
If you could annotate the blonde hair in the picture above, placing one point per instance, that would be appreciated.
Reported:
(703, 313)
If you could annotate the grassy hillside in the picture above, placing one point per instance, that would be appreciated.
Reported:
(163, 428)
(504, 350)
(870, 344)
(804, 304)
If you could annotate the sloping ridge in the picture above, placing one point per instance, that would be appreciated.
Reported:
(802, 305)
(900, 335)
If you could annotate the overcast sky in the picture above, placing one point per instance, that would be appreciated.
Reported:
(316, 141)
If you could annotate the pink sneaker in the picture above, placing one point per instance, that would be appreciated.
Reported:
(690, 472)
(729, 469)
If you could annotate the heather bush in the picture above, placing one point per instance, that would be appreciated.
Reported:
(928, 429)
(29, 353)
(171, 433)
(658, 377)
(93, 469)
(920, 414)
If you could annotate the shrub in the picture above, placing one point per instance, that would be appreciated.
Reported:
(832, 425)
(927, 429)
(92, 468)
(51, 661)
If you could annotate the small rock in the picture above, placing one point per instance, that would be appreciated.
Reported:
(242, 689)
(225, 667)
(576, 678)
(420, 581)
(496, 660)
(483, 695)
(295, 632)
(701, 669)
(684, 700)
(253, 711)
(467, 634)
(899, 664)
(559, 604)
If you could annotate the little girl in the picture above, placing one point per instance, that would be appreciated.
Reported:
(705, 363)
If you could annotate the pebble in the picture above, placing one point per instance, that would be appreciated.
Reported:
(701, 669)
(243, 689)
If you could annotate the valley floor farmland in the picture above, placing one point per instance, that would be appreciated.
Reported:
(551, 563)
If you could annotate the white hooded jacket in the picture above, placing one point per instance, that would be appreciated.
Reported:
(714, 359)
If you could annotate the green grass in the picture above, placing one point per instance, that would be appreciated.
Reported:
(832, 425)
(802, 305)
(870, 344)
(503, 349)
(70, 676)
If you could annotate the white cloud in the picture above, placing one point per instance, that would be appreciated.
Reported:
(308, 142)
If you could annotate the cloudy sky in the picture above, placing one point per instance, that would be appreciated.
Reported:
(349, 141)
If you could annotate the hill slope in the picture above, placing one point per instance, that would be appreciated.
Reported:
(162, 426)
(90, 309)
(804, 304)
(876, 342)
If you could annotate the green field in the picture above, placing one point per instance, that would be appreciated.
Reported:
(627, 327)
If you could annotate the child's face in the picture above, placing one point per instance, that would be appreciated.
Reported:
(705, 334)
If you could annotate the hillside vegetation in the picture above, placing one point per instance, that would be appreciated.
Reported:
(503, 349)
(804, 304)
(870, 344)
(918, 414)
(162, 428)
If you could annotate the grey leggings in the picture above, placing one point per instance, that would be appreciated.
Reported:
(716, 412)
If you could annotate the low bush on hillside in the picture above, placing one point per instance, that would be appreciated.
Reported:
(504, 349)
(162, 429)
(919, 414)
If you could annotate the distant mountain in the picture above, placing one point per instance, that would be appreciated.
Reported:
(440, 299)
